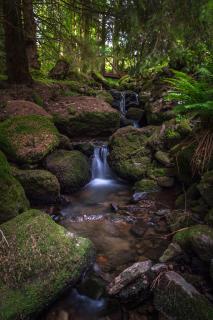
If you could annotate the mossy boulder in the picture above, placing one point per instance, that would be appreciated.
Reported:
(21, 108)
(129, 156)
(199, 239)
(70, 167)
(85, 116)
(105, 96)
(28, 139)
(146, 185)
(13, 200)
(178, 299)
(206, 187)
(38, 260)
(165, 182)
(40, 186)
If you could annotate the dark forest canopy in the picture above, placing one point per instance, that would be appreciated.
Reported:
(119, 35)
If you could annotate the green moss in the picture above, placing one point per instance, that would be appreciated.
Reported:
(12, 197)
(198, 238)
(104, 95)
(40, 186)
(70, 167)
(28, 138)
(146, 185)
(42, 259)
(129, 156)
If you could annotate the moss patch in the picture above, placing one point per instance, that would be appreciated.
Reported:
(27, 139)
(12, 197)
(41, 260)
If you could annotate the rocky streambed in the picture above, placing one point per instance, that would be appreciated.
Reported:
(149, 219)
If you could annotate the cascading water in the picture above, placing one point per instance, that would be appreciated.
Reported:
(123, 105)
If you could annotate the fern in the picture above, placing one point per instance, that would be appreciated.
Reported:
(190, 94)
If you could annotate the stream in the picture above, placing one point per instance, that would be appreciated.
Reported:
(123, 232)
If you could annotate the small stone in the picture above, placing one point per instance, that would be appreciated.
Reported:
(165, 182)
(171, 252)
(137, 196)
(163, 212)
(163, 158)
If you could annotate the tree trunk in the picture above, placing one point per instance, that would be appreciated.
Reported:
(16, 57)
(30, 34)
(103, 44)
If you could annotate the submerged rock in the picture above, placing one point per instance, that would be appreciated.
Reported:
(199, 239)
(129, 156)
(40, 186)
(28, 139)
(70, 167)
(13, 200)
(178, 299)
(84, 116)
(38, 259)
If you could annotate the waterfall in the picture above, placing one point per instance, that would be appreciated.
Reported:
(100, 167)
(122, 106)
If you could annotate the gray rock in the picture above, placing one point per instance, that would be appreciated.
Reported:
(138, 196)
(129, 278)
(179, 300)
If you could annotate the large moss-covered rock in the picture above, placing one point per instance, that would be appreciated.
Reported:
(85, 116)
(178, 299)
(12, 197)
(21, 108)
(146, 185)
(40, 186)
(38, 260)
(28, 139)
(129, 156)
(199, 239)
(206, 187)
(135, 113)
(70, 167)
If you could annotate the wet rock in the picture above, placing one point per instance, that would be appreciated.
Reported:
(163, 158)
(165, 182)
(206, 187)
(158, 268)
(37, 246)
(163, 212)
(129, 156)
(138, 196)
(21, 108)
(171, 252)
(40, 186)
(131, 282)
(135, 114)
(83, 116)
(177, 299)
(13, 200)
(70, 167)
(199, 239)
(124, 122)
(28, 139)
(114, 207)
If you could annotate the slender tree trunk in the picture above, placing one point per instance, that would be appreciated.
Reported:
(16, 57)
(30, 34)
(103, 43)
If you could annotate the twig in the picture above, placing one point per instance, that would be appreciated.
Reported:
(3, 238)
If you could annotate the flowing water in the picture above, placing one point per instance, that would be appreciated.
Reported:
(123, 106)
(117, 237)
